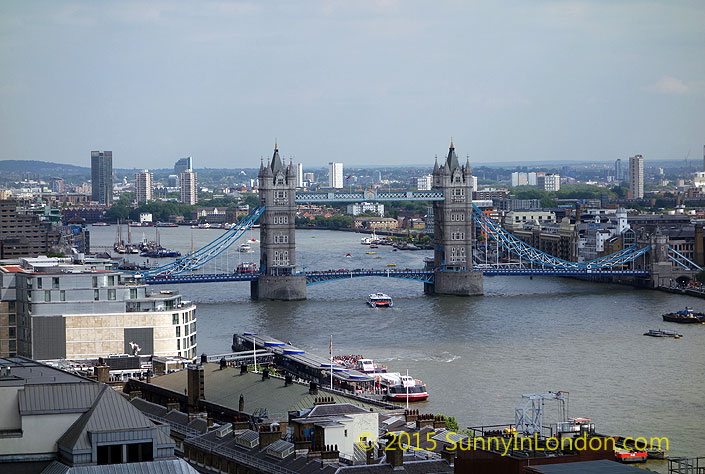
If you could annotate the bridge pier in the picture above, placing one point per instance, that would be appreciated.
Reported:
(455, 283)
(279, 287)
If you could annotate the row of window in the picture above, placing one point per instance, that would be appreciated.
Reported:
(281, 257)
(457, 217)
(281, 239)
(457, 254)
(281, 219)
(457, 236)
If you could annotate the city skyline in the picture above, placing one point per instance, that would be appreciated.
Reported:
(375, 82)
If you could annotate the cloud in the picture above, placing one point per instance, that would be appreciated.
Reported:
(669, 85)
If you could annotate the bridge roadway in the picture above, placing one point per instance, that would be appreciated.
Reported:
(421, 275)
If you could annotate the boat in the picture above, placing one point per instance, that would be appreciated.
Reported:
(166, 224)
(408, 389)
(370, 253)
(687, 316)
(380, 299)
(160, 253)
(629, 456)
(663, 333)
(100, 224)
(245, 248)
(348, 255)
(246, 267)
(374, 246)
(391, 264)
(366, 241)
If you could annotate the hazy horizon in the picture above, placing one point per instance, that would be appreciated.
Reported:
(378, 83)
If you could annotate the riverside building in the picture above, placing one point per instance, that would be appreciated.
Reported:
(64, 310)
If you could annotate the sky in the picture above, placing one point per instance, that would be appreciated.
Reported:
(363, 82)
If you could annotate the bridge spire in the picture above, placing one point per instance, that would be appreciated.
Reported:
(451, 143)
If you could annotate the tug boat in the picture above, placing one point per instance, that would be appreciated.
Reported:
(380, 299)
(687, 316)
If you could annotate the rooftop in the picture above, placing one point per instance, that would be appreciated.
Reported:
(225, 386)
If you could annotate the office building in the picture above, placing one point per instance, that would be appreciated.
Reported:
(23, 235)
(144, 186)
(424, 183)
(358, 208)
(65, 310)
(618, 170)
(335, 175)
(189, 187)
(549, 182)
(183, 164)
(102, 177)
(300, 175)
(636, 177)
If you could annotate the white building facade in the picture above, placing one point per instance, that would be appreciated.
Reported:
(335, 175)
(144, 186)
(189, 187)
(636, 177)
(358, 208)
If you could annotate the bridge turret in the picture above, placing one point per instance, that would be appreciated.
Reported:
(453, 230)
(277, 191)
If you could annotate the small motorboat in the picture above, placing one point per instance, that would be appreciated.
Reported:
(663, 333)
(370, 253)
(380, 299)
(347, 255)
(245, 248)
(391, 264)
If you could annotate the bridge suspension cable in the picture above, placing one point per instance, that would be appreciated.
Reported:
(208, 252)
(527, 252)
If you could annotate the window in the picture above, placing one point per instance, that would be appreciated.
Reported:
(47, 296)
(133, 293)
(96, 295)
(281, 239)
(111, 280)
(39, 283)
(95, 282)
(13, 346)
(11, 319)
(175, 318)
(12, 332)
(62, 295)
(55, 282)
(178, 344)
(29, 294)
(11, 306)
(178, 331)
(111, 294)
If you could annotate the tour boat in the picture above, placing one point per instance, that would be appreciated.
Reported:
(247, 267)
(380, 299)
(245, 248)
(408, 389)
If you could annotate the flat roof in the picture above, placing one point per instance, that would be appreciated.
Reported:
(603, 466)
(225, 386)
(24, 371)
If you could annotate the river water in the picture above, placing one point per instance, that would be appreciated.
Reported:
(478, 355)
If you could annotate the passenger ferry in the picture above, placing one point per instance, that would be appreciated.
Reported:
(246, 267)
(380, 299)
(414, 393)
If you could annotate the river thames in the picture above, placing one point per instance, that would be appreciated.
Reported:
(478, 355)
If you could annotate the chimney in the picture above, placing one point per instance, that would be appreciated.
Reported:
(102, 373)
(313, 388)
(330, 455)
(439, 422)
(411, 415)
(241, 423)
(370, 453)
(448, 456)
(395, 456)
(195, 385)
(424, 420)
(301, 445)
(135, 394)
(172, 405)
(324, 401)
(241, 403)
(268, 435)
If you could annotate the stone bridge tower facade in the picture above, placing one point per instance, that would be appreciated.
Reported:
(453, 231)
(277, 192)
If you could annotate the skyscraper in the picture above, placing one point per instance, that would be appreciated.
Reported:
(618, 170)
(300, 175)
(335, 175)
(183, 164)
(144, 184)
(102, 177)
(636, 177)
(189, 187)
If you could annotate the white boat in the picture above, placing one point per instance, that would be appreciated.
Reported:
(245, 248)
(380, 299)
(365, 241)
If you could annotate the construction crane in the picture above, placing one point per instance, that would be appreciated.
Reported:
(528, 413)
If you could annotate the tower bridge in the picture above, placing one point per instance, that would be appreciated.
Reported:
(458, 265)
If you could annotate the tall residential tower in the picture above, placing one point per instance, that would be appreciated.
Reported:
(144, 184)
(102, 177)
(335, 175)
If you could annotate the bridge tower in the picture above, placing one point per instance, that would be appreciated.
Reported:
(453, 230)
(277, 191)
